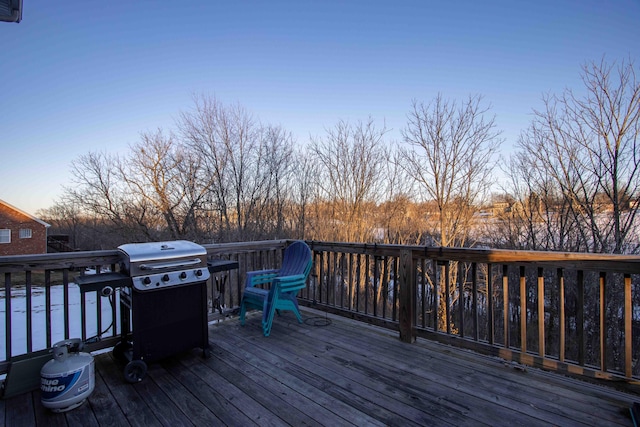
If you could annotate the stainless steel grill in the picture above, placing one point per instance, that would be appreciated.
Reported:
(158, 265)
(163, 302)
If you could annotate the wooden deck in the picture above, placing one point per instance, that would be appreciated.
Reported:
(346, 373)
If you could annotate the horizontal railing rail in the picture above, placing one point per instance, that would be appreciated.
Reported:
(571, 312)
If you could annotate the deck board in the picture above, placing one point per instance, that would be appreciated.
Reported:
(344, 374)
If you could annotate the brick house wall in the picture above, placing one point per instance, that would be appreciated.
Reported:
(27, 234)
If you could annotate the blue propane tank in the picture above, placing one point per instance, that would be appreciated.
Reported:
(69, 378)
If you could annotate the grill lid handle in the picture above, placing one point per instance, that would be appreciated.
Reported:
(175, 264)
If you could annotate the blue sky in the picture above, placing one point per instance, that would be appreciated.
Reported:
(81, 76)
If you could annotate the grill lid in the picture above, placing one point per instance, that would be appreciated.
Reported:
(160, 251)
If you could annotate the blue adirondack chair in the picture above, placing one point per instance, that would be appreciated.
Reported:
(285, 283)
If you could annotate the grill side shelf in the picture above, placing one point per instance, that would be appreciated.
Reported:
(96, 282)
(218, 265)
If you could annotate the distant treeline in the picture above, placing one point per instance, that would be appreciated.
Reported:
(219, 174)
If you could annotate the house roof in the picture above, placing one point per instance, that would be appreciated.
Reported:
(2, 202)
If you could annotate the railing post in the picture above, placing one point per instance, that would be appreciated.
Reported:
(407, 297)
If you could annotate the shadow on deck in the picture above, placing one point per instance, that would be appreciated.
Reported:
(346, 373)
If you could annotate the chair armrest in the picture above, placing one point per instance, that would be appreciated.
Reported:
(293, 283)
(289, 279)
(260, 277)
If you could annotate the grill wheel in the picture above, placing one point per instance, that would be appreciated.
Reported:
(135, 371)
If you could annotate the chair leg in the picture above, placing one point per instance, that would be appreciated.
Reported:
(243, 311)
(267, 316)
(297, 313)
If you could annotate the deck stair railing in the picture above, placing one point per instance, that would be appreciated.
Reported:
(570, 312)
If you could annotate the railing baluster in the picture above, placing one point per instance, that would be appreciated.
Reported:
(376, 284)
(423, 280)
(358, 282)
(523, 310)
(47, 306)
(628, 329)
(323, 279)
(561, 315)
(436, 294)
(505, 305)
(541, 314)
(333, 273)
(603, 321)
(490, 308)
(351, 296)
(65, 292)
(29, 314)
(474, 300)
(366, 281)
(83, 316)
(396, 263)
(7, 314)
(99, 309)
(580, 318)
(385, 285)
(461, 280)
(447, 295)
(342, 287)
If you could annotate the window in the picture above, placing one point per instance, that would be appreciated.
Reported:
(5, 235)
(25, 233)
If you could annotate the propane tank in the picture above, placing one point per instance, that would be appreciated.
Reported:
(69, 378)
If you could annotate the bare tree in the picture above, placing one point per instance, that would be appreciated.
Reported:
(164, 177)
(101, 196)
(245, 163)
(350, 162)
(302, 194)
(448, 153)
(397, 215)
(535, 215)
(588, 146)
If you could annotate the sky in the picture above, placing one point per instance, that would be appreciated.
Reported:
(85, 76)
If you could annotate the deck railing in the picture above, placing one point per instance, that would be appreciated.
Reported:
(571, 312)
(574, 313)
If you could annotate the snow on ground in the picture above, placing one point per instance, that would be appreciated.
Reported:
(19, 317)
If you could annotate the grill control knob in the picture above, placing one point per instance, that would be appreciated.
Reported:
(198, 273)
(183, 275)
(165, 278)
(146, 281)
